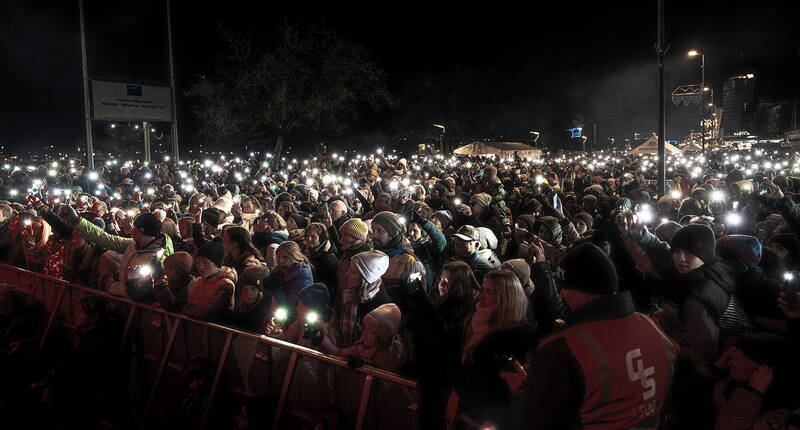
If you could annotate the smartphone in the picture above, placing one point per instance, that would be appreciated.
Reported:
(790, 288)
(556, 202)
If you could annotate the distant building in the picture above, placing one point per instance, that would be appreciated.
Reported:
(738, 105)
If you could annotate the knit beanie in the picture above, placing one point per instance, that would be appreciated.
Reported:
(586, 218)
(212, 216)
(253, 275)
(148, 224)
(213, 251)
(299, 220)
(741, 250)
(179, 261)
(384, 321)
(526, 221)
(390, 222)
(587, 268)
(444, 218)
(696, 239)
(521, 269)
(314, 296)
(371, 264)
(482, 199)
(264, 238)
(356, 228)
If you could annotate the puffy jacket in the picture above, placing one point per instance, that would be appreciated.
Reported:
(211, 298)
(285, 285)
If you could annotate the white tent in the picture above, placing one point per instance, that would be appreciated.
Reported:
(501, 149)
(650, 146)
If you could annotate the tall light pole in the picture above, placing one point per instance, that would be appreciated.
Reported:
(703, 90)
(176, 156)
(441, 138)
(661, 49)
(87, 109)
(535, 137)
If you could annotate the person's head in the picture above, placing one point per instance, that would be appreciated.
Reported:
(583, 222)
(415, 233)
(99, 208)
(209, 258)
(503, 293)
(315, 235)
(466, 241)
(178, 266)
(479, 203)
(381, 326)
(288, 254)
(441, 219)
(185, 227)
(237, 240)
(338, 209)
(146, 227)
(692, 247)
(196, 374)
(353, 233)
(271, 221)
(458, 280)
(382, 201)
(386, 226)
(521, 269)
(367, 267)
(249, 205)
(586, 273)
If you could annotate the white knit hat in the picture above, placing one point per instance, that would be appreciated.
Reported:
(371, 264)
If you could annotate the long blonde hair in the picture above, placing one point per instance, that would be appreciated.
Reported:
(510, 303)
(292, 250)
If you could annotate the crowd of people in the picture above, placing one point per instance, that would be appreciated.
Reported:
(556, 293)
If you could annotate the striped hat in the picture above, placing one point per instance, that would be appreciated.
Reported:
(356, 228)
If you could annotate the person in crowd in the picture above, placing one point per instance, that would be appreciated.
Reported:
(388, 236)
(313, 324)
(292, 274)
(499, 334)
(172, 289)
(145, 236)
(428, 243)
(379, 344)
(466, 245)
(362, 292)
(240, 254)
(252, 307)
(353, 239)
(610, 366)
(322, 256)
(210, 296)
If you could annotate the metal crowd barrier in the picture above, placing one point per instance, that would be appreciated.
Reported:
(305, 382)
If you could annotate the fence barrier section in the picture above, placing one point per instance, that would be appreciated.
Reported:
(155, 345)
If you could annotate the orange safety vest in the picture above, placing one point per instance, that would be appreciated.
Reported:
(627, 365)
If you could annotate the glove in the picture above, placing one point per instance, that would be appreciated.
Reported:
(68, 214)
(416, 218)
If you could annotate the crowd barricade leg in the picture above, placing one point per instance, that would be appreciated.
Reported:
(155, 345)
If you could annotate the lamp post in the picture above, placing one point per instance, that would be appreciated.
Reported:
(441, 138)
(535, 137)
(703, 90)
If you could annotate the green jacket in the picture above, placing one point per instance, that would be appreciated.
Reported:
(122, 245)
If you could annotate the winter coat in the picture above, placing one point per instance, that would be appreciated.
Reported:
(483, 394)
(251, 317)
(482, 262)
(429, 250)
(125, 246)
(285, 285)
(243, 261)
(173, 295)
(326, 266)
(211, 298)
(402, 263)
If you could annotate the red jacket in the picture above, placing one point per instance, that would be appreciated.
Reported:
(610, 369)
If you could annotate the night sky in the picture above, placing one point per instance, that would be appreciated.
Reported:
(537, 66)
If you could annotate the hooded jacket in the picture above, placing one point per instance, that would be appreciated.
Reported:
(211, 298)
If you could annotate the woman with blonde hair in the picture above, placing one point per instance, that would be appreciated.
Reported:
(499, 338)
(292, 274)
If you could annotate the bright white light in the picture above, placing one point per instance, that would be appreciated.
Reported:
(312, 317)
(717, 196)
(733, 219)
(675, 194)
(51, 172)
(93, 176)
(281, 314)
(145, 271)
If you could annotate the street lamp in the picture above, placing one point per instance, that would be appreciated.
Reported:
(535, 137)
(441, 138)
(703, 91)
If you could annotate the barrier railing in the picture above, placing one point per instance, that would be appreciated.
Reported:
(305, 381)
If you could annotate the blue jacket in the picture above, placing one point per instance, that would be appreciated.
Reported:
(286, 285)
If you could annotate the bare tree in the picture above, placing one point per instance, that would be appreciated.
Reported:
(267, 88)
